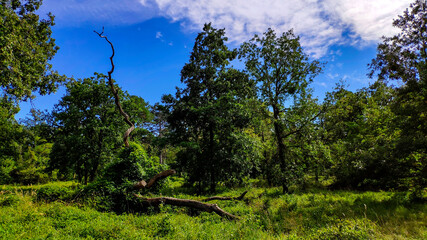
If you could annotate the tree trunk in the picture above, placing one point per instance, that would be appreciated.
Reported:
(211, 156)
(278, 130)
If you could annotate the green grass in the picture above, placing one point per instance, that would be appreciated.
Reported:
(265, 214)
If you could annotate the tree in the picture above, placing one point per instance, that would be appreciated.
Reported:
(10, 135)
(26, 48)
(403, 58)
(359, 130)
(89, 127)
(207, 115)
(283, 72)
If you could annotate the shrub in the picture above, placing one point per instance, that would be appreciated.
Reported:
(114, 190)
(10, 200)
(54, 192)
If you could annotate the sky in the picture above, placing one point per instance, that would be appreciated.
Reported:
(153, 39)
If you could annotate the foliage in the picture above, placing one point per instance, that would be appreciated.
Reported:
(89, 128)
(10, 132)
(27, 46)
(402, 58)
(209, 113)
(359, 130)
(114, 190)
(54, 192)
(310, 215)
(23, 154)
(283, 72)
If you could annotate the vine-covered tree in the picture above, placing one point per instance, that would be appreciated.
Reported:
(283, 72)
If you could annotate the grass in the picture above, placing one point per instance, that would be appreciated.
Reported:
(265, 214)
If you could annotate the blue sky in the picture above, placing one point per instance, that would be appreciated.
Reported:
(153, 38)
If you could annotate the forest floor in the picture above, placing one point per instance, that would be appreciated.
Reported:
(265, 213)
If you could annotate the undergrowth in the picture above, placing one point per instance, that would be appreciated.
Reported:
(265, 213)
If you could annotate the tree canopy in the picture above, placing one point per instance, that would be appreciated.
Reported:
(27, 46)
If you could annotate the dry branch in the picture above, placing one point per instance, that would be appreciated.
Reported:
(188, 203)
(115, 93)
(225, 198)
(142, 184)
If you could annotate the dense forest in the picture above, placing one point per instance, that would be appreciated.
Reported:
(225, 128)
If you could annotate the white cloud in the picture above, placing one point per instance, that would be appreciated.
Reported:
(72, 12)
(367, 19)
(320, 23)
(159, 35)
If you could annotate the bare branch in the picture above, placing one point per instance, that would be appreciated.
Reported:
(115, 92)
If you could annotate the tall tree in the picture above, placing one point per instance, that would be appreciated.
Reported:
(27, 46)
(403, 58)
(283, 72)
(208, 114)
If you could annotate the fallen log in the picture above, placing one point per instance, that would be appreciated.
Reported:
(142, 184)
(206, 207)
(225, 198)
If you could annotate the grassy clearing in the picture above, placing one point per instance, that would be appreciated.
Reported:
(265, 212)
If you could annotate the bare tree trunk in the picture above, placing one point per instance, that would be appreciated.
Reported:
(115, 93)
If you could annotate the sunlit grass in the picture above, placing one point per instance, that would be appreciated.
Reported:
(265, 213)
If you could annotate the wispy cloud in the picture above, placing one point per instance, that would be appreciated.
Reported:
(159, 35)
(74, 12)
(320, 23)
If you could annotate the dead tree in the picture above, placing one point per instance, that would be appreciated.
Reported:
(115, 92)
(144, 185)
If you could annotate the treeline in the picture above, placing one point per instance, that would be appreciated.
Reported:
(225, 125)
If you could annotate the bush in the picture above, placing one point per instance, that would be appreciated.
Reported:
(51, 193)
(114, 190)
(10, 200)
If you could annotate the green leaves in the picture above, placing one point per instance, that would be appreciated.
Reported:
(26, 47)
(90, 128)
(209, 111)
(282, 72)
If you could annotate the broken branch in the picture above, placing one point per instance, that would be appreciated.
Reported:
(225, 198)
(188, 203)
(142, 184)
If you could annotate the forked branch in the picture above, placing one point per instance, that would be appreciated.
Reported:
(115, 92)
